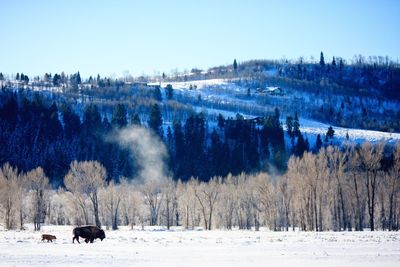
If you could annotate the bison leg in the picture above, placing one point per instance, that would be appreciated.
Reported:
(87, 240)
(77, 239)
(91, 240)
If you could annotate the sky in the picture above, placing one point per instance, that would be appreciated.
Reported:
(148, 37)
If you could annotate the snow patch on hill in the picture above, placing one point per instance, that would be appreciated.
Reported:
(311, 127)
(199, 84)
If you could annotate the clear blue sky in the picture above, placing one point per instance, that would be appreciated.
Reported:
(110, 37)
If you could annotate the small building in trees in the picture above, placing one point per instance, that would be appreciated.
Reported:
(270, 90)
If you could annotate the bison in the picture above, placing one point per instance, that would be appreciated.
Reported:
(48, 237)
(89, 233)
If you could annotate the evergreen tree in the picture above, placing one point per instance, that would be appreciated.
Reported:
(289, 126)
(157, 94)
(318, 143)
(17, 76)
(9, 113)
(170, 139)
(56, 79)
(54, 128)
(106, 125)
(322, 60)
(91, 118)
(235, 65)
(71, 121)
(1, 76)
(330, 132)
(119, 116)
(301, 146)
(179, 155)
(296, 125)
(333, 62)
(195, 133)
(135, 120)
(169, 91)
(155, 120)
(78, 78)
(221, 121)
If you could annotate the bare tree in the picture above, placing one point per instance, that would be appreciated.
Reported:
(336, 161)
(207, 195)
(228, 201)
(130, 201)
(169, 197)
(10, 187)
(187, 203)
(308, 178)
(392, 185)
(57, 207)
(370, 158)
(354, 183)
(152, 195)
(38, 184)
(284, 194)
(85, 178)
(111, 196)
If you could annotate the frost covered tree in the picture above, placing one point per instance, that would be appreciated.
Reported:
(38, 185)
(187, 203)
(130, 202)
(151, 191)
(11, 191)
(84, 179)
(370, 159)
(336, 161)
(169, 202)
(229, 199)
(207, 195)
(111, 197)
(389, 193)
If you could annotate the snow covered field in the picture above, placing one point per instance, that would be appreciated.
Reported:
(155, 247)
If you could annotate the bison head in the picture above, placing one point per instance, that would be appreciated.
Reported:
(102, 235)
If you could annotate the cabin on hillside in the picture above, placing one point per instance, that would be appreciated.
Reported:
(270, 90)
(274, 91)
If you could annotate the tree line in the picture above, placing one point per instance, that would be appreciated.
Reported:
(36, 131)
(336, 189)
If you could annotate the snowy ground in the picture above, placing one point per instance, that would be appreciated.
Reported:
(311, 127)
(154, 247)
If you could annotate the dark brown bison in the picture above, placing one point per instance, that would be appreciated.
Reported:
(48, 238)
(89, 233)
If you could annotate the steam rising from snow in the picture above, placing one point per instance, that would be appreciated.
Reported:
(149, 152)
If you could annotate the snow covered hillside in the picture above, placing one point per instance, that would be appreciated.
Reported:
(228, 97)
(156, 247)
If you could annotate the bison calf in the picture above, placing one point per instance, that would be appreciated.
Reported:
(89, 233)
(48, 238)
